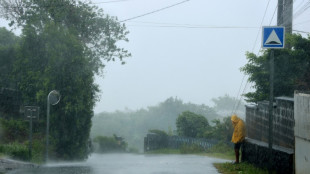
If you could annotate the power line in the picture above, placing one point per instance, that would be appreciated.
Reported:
(302, 31)
(299, 4)
(238, 103)
(155, 11)
(193, 27)
(233, 109)
(302, 9)
(302, 22)
(261, 25)
(273, 14)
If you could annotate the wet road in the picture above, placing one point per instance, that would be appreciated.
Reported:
(132, 164)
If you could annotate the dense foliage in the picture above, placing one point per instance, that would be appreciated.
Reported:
(62, 46)
(134, 125)
(162, 137)
(7, 56)
(109, 144)
(13, 130)
(190, 124)
(291, 65)
(222, 130)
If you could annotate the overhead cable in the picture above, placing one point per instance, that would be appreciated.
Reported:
(302, 10)
(261, 25)
(273, 14)
(302, 31)
(302, 22)
(155, 11)
(193, 27)
(238, 103)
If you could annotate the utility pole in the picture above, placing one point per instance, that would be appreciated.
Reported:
(280, 13)
(285, 15)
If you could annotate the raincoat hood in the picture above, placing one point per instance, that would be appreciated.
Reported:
(235, 120)
(239, 129)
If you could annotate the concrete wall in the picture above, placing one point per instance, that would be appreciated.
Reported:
(302, 132)
(280, 159)
(257, 122)
(256, 150)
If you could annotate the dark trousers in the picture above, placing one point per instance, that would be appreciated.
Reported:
(237, 148)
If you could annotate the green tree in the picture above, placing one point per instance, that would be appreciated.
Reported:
(8, 43)
(99, 33)
(222, 130)
(62, 46)
(110, 144)
(190, 124)
(292, 69)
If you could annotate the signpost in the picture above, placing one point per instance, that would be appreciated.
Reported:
(31, 112)
(52, 99)
(273, 38)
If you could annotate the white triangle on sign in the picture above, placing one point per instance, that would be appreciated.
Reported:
(273, 39)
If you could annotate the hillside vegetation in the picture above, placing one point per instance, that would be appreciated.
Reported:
(134, 125)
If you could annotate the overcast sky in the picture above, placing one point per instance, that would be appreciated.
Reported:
(192, 51)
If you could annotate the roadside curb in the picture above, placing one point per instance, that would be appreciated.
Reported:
(9, 165)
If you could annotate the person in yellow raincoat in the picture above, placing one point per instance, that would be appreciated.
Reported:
(238, 135)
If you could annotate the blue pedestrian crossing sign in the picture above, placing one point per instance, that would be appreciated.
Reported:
(273, 37)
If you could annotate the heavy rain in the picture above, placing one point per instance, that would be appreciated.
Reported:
(156, 86)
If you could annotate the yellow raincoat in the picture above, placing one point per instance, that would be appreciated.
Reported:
(239, 129)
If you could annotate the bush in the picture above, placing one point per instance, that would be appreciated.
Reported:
(14, 130)
(110, 144)
(162, 137)
(38, 149)
(194, 148)
(15, 150)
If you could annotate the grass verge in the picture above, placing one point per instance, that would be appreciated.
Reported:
(221, 150)
(230, 168)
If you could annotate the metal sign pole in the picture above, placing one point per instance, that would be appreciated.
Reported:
(47, 128)
(273, 38)
(52, 99)
(271, 80)
(30, 135)
(30, 113)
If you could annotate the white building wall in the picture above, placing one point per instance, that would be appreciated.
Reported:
(302, 132)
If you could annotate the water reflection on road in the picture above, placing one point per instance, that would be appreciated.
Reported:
(132, 164)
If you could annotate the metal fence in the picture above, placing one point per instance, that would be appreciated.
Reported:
(154, 142)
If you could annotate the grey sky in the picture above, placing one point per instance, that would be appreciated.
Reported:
(169, 58)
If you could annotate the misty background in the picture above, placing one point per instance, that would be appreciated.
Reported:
(192, 50)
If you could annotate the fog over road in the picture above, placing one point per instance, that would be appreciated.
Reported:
(132, 164)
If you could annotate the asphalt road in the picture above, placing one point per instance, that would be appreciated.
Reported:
(131, 164)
